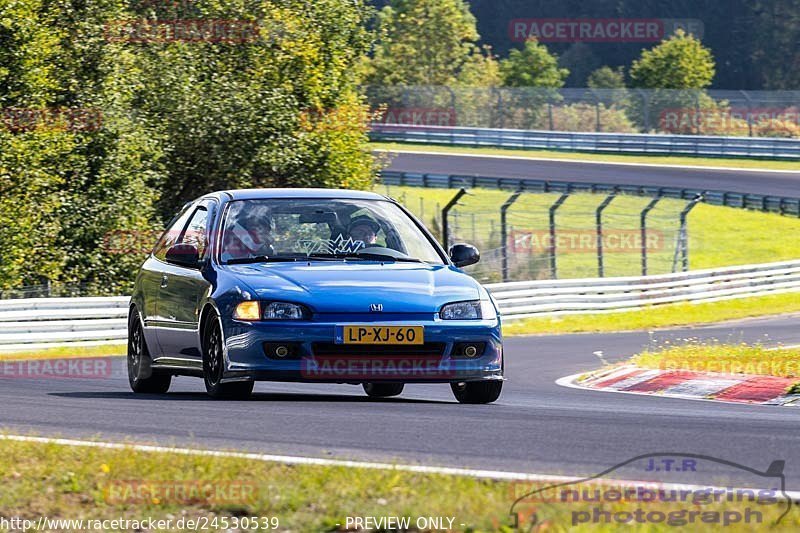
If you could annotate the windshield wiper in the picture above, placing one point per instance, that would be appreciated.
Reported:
(262, 259)
(367, 256)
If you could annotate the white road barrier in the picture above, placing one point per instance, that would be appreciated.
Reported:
(41, 322)
(522, 299)
(621, 143)
(33, 323)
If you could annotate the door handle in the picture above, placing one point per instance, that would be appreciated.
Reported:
(164, 281)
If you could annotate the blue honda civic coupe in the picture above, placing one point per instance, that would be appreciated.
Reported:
(310, 285)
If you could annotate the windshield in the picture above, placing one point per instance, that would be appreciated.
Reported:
(327, 229)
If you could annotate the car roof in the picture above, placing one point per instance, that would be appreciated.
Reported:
(256, 194)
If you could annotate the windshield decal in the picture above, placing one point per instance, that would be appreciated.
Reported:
(338, 245)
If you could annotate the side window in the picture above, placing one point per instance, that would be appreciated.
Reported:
(196, 231)
(171, 234)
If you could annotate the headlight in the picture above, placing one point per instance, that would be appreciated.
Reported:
(254, 310)
(283, 311)
(461, 311)
(472, 310)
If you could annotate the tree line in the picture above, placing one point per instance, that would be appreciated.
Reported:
(756, 42)
(114, 115)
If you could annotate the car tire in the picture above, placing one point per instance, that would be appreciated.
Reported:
(383, 390)
(477, 391)
(141, 377)
(214, 366)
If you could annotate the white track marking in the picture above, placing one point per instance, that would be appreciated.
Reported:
(699, 388)
(600, 376)
(286, 459)
(635, 380)
(571, 382)
(786, 347)
(585, 161)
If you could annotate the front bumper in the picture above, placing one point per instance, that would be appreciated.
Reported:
(246, 358)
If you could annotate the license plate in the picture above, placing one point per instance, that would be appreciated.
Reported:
(380, 335)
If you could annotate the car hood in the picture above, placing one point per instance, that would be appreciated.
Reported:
(339, 287)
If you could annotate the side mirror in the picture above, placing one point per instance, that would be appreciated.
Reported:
(464, 255)
(185, 255)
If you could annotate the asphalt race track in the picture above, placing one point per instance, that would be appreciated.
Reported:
(536, 426)
(777, 183)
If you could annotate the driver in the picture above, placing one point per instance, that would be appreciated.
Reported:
(248, 236)
(364, 229)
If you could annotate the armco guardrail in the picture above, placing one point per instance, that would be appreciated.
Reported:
(624, 143)
(523, 299)
(42, 321)
(59, 321)
(773, 204)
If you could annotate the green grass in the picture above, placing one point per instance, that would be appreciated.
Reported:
(726, 358)
(657, 316)
(718, 236)
(76, 482)
(65, 352)
(591, 156)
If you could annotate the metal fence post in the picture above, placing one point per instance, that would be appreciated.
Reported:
(749, 112)
(645, 99)
(683, 235)
(445, 230)
(643, 230)
(553, 208)
(500, 111)
(598, 216)
(504, 232)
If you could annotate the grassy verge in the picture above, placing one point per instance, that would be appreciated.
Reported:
(726, 358)
(65, 352)
(591, 156)
(74, 482)
(658, 317)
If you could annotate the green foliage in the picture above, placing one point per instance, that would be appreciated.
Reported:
(178, 119)
(607, 78)
(678, 70)
(533, 66)
(680, 62)
(33, 167)
(480, 70)
(585, 117)
(427, 42)
(534, 72)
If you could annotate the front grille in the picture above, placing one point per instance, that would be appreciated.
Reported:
(429, 349)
